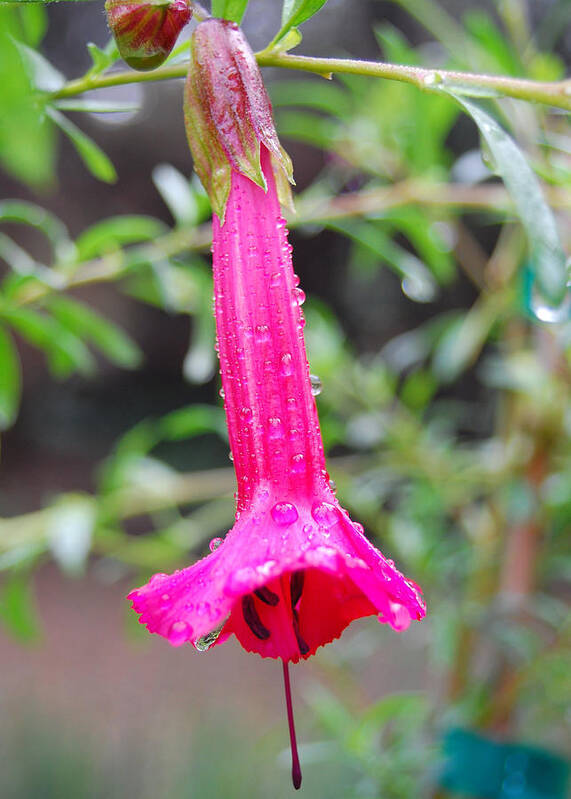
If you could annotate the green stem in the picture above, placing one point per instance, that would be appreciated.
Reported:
(557, 93)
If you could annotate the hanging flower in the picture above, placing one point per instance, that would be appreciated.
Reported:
(294, 570)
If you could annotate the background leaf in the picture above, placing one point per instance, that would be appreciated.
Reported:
(229, 9)
(10, 382)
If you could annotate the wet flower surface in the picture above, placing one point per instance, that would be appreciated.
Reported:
(294, 570)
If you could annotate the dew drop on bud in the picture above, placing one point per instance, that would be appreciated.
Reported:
(316, 385)
(298, 463)
(221, 393)
(284, 513)
(215, 543)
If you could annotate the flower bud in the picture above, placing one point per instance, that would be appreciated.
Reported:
(146, 32)
(228, 114)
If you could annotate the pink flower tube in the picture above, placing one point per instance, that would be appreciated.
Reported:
(294, 570)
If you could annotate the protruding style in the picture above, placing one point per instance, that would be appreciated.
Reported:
(146, 32)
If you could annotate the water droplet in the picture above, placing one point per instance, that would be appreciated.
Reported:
(286, 364)
(298, 463)
(221, 393)
(299, 296)
(202, 608)
(325, 514)
(262, 334)
(230, 456)
(215, 543)
(332, 485)
(316, 385)
(419, 288)
(179, 633)
(488, 157)
(166, 601)
(432, 79)
(301, 323)
(209, 639)
(276, 427)
(295, 280)
(307, 528)
(545, 312)
(246, 414)
(359, 528)
(284, 513)
(275, 279)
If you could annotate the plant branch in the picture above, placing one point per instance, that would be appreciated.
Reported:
(555, 93)
(408, 192)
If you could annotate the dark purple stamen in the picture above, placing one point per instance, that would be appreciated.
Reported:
(302, 644)
(252, 619)
(267, 596)
(295, 767)
(296, 587)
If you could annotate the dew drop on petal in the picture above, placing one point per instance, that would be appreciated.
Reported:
(262, 334)
(276, 427)
(221, 393)
(215, 543)
(316, 385)
(296, 280)
(299, 295)
(166, 601)
(298, 463)
(246, 414)
(179, 633)
(286, 364)
(325, 514)
(307, 528)
(284, 513)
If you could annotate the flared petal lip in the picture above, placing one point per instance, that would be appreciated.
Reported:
(192, 602)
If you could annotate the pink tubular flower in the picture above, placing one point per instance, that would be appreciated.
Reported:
(294, 570)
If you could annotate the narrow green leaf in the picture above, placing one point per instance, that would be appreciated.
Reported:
(547, 256)
(26, 136)
(95, 106)
(102, 58)
(192, 421)
(294, 12)
(66, 352)
(11, 381)
(229, 9)
(90, 153)
(110, 339)
(43, 75)
(176, 191)
(18, 608)
(115, 232)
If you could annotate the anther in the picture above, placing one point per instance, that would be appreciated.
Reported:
(267, 596)
(252, 619)
(302, 644)
(296, 587)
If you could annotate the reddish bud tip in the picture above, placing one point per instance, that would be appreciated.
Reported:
(228, 114)
(146, 32)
